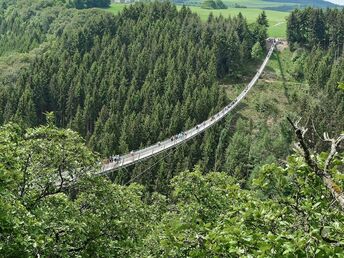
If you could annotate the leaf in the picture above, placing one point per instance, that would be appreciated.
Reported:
(341, 85)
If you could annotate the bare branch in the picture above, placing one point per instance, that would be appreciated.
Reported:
(334, 145)
(300, 132)
(315, 130)
(335, 190)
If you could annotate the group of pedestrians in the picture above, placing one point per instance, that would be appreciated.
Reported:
(115, 158)
(221, 112)
(178, 136)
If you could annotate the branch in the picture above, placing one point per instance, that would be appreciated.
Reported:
(300, 133)
(335, 190)
(334, 145)
(44, 194)
(22, 190)
(61, 177)
(86, 242)
(328, 240)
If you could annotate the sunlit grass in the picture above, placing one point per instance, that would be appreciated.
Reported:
(277, 20)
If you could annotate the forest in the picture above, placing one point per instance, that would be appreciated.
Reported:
(169, 82)
(79, 84)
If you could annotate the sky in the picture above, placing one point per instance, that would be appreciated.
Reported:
(341, 2)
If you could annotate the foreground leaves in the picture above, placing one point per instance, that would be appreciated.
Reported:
(286, 212)
(44, 212)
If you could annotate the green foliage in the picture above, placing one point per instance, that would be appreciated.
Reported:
(276, 18)
(43, 214)
(237, 161)
(119, 80)
(287, 211)
(257, 51)
(341, 86)
(213, 4)
(25, 25)
(262, 20)
(83, 4)
(213, 217)
(322, 69)
(320, 64)
(260, 29)
(315, 27)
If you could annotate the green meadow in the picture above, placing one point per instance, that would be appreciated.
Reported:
(277, 20)
(256, 3)
(116, 8)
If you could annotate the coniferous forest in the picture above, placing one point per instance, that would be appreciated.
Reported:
(79, 84)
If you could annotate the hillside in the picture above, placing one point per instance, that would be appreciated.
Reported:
(276, 10)
(277, 20)
(117, 101)
(80, 88)
(278, 5)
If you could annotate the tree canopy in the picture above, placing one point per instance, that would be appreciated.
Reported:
(312, 27)
(285, 211)
(213, 4)
(79, 85)
(124, 81)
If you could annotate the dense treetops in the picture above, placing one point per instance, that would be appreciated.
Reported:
(211, 4)
(83, 43)
(318, 38)
(82, 4)
(124, 81)
(286, 212)
(312, 27)
(25, 25)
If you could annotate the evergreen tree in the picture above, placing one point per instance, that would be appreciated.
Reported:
(262, 20)
(257, 51)
(26, 111)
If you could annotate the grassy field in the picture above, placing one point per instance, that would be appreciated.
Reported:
(273, 97)
(116, 8)
(256, 3)
(277, 20)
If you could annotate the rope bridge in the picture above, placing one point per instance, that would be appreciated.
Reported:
(122, 161)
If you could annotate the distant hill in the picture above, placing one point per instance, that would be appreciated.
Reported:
(314, 3)
(293, 4)
(277, 5)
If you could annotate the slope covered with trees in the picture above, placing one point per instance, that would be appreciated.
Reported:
(126, 81)
(318, 38)
(123, 82)
(316, 27)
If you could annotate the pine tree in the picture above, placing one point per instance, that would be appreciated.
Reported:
(257, 51)
(262, 20)
(293, 30)
(26, 111)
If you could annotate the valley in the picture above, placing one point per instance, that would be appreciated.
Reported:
(256, 168)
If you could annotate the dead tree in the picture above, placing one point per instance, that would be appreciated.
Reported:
(335, 190)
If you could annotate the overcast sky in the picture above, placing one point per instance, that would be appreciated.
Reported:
(341, 2)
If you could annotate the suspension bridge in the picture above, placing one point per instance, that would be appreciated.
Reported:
(122, 161)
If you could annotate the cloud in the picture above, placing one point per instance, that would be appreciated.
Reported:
(340, 2)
